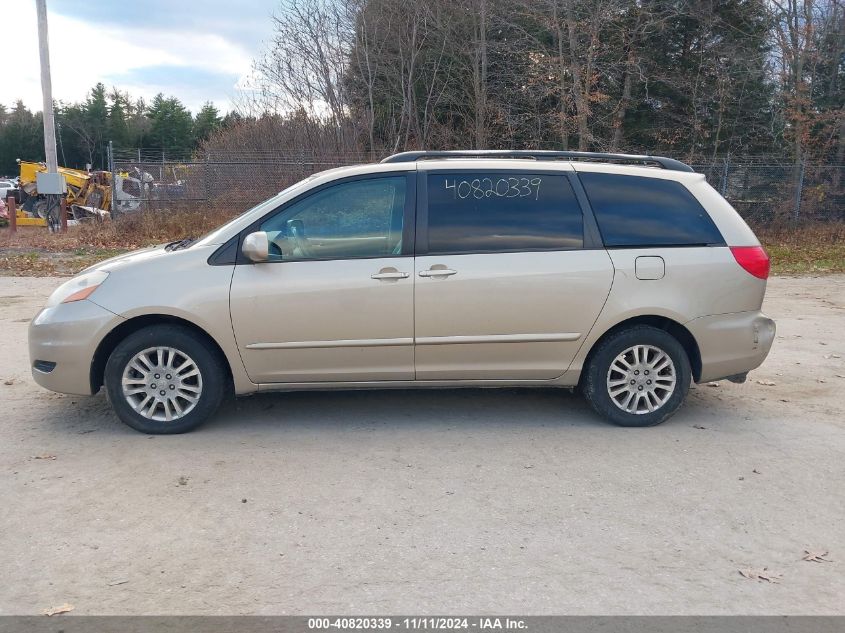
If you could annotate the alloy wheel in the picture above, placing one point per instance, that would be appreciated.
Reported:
(641, 379)
(162, 383)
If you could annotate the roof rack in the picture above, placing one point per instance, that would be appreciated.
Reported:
(660, 161)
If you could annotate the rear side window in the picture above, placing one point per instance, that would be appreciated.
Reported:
(637, 211)
(495, 212)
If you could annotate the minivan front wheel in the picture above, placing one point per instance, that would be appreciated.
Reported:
(638, 376)
(164, 379)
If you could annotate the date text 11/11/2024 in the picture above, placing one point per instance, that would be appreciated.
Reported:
(418, 623)
(480, 188)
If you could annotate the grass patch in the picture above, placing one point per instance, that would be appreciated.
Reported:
(805, 249)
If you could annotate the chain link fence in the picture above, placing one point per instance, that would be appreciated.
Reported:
(762, 190)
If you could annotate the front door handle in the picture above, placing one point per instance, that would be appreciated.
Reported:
(391, 275)
(438, 272)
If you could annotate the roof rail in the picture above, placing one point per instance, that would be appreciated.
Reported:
(665, 163)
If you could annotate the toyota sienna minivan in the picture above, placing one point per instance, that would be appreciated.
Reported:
(626, 277)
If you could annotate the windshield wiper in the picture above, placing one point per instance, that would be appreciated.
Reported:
(179, 244)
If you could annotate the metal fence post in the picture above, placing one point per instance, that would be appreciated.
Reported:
(799, 187)
(113, 180)
(13, 215)
(207, 179)
(725, 177)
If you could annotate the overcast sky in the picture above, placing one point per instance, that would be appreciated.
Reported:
(196, 50)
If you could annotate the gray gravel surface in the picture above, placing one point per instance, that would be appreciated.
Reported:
(430, 502)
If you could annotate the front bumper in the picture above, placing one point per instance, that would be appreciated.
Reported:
(68, 335)
(732, 344)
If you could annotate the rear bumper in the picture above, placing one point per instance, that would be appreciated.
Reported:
(733, 343)
(62, 342)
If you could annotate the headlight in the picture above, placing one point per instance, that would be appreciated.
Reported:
(77, 289)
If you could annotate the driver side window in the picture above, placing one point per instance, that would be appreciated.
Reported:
(350, 220)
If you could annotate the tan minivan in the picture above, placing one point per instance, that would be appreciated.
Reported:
(624, 276)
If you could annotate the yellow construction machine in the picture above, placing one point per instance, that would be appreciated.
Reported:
(89, 194)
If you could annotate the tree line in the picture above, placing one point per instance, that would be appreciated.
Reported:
(84, 129)
(695, 79)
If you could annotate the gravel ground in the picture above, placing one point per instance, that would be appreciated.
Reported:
(428, 502)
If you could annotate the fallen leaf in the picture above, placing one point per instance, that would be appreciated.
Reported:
(766, 383)
(44, 456)
(117, 582)
(761, 574)
(816, 557)
(60, 609)
(699, 427)
(9, 382)
(712, 384)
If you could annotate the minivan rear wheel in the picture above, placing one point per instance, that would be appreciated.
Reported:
(638, 376)
(165, 379)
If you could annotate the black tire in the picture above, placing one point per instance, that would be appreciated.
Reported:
(212, 373)
(594, 383)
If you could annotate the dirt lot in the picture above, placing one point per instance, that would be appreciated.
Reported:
(435, 502)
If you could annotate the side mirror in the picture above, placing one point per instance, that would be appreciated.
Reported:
(256, 247)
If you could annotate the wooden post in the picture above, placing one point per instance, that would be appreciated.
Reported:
(63, 214)
(13, 214)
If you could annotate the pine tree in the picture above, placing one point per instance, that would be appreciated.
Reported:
(171, 125)
(118, 126)
(97, 118)
(22, 137)
(207, 121)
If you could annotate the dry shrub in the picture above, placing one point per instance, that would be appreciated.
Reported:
(130, 231)
(806, 247)
(785, 232)
(155, 226)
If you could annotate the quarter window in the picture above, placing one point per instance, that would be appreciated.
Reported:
(637, 211)
(356, 219)
(493, 212)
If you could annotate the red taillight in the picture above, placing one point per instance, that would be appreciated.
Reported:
(753, 259)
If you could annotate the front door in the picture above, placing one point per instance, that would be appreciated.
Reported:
(504, 286)
(335, 303)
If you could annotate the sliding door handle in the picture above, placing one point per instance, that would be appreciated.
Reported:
(438, 272)
(391, 275)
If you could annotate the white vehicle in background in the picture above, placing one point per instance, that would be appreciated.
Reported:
(5, 187)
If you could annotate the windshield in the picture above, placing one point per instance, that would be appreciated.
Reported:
(214, 236)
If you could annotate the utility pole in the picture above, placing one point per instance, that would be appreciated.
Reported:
(51, 184)
(46, 89)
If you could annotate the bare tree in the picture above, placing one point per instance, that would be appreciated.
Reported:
(305, 64)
